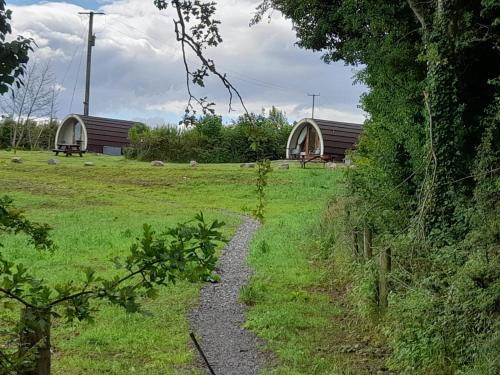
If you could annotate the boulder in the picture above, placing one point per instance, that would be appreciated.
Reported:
(331, 164)
(284, 166)
(157, 163)
(52, 161)
(88, 164)
(247, 165)
(193, 163)
(16, 159)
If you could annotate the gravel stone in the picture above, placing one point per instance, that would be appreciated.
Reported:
(218, 320)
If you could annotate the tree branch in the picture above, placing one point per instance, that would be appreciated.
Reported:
(418, 13)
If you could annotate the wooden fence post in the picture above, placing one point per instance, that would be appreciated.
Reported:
(34, 342)
(355, 243)
(367, 243)
(385, 268)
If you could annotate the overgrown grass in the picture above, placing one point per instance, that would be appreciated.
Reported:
(300, 297)
(96, 213)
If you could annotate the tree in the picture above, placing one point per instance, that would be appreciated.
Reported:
(186, 251)
(37, 97)
(425, 165)
(13, 54)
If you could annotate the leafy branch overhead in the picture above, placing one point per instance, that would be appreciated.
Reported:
(13, 54)
(186, 251)
(196, 30)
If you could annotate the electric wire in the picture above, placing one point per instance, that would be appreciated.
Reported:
(77, 78)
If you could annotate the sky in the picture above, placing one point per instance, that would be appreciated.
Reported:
(137, 69)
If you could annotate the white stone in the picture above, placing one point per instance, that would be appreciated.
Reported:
(193, 163)
(88, 164)
(16, 159)
(157, 163)
(247, 165)
(331, 164)
(52, 161)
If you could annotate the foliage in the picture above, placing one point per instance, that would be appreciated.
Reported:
(426, 176)
(263, 168)
(44, 134)
(209, 141)
(184, 251)
(13, 54)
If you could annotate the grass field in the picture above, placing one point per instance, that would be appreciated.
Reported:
(96, 213)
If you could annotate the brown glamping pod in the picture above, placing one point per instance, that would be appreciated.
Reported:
(78, 134)
(313, 139)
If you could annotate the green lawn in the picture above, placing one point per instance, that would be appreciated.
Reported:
(96, 213)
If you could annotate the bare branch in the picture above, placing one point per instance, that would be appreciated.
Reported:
(196, 37)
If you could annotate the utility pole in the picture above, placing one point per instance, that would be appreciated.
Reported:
(90, 44)
(314, 97)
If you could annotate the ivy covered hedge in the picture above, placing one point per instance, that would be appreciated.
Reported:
(426, 182)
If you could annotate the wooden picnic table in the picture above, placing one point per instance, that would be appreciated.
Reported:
(69, 149)
(307, 158)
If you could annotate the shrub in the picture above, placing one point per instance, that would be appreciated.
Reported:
(209, 141)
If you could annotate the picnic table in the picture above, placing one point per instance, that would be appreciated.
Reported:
(69, 149)
(304, 158)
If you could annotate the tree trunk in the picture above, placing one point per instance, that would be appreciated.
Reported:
(34, 342)
(446, 129)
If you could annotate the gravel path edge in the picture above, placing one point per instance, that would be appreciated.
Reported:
(218, 320)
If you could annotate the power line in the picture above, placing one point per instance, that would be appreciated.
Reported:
(72, 58)
(240, 76)
(76, 80)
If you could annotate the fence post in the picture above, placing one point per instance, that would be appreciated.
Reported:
(367, 243)
(34, 342)
(385, 268)
(355, 243)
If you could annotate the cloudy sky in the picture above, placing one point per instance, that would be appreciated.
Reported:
(137, 70)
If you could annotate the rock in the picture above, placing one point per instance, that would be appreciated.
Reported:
(52, 161)
(88, 164)
(193, 163)
(347, 161)
(331, 164)
(16, 159)
(247, 165)
(284, 166)
(157, 163)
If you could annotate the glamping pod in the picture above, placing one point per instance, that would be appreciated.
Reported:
(95, 134)
(312, 139)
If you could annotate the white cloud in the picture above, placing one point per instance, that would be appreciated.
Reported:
(137, 70)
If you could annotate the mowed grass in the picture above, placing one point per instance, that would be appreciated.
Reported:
(97, 212)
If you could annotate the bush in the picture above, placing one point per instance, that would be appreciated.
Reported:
(36, 135)
(209, 141)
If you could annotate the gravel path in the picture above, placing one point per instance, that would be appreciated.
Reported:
(217, 321)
